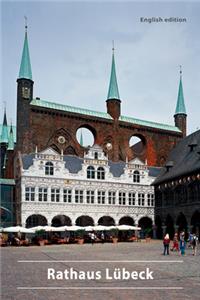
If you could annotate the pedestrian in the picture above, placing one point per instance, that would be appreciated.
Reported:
(190, 240)
(175, 243)
(194, 244)
(182, 244)
(166, 242)
(92, 236)
(102, 237)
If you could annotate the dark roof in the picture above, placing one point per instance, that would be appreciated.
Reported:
(116, 168)
(27, 160)
(73, 163)
(154, 171)
(184, 160)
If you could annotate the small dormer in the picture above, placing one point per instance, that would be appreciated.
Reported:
(193, 144)
(96, 154)
(48, 154)
(136, 163)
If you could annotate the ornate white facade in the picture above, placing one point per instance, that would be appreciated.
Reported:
(54, 185)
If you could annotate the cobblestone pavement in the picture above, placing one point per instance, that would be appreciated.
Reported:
(173, 271)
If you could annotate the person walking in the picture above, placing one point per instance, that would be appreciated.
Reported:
(102, 237)
(166, 242)
(182, 244)
(194, 244)
(92, 236)
(175, 243)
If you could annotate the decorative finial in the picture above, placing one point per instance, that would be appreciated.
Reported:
(4, 105)
(113, 46)
(26, 25)
(180, 70)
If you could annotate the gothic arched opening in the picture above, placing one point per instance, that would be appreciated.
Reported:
(159, 231)
(86, 136)
(146, 226)
(169, 223)
(181, 222)
(36, 220)
(137, 143)
(84, 221)
(195, 222)
(126, 221)
(106, 221)
(61, 220)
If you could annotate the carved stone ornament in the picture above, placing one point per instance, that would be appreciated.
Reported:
(61, 139)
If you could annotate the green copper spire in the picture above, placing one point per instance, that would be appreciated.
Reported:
(4, 133)
(25, 67)
(113, 92)
(11, 140)
(180, 106)
(81, 139)
(5, 161)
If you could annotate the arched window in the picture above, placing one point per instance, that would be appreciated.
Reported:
(49, 168)
(136, 176)
(90, 172)
(100, 173)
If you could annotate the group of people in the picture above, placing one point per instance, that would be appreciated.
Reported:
(179, 244)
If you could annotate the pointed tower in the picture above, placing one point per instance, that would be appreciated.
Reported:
(113, 100)
(24, 92)
(11, 144)
(180, 116)
(81, 139)
(4, 133)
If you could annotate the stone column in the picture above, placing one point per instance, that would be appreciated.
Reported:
(176, 228)
(154, 231)
(164, 229)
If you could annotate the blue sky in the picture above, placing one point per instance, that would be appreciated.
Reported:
(70, 47)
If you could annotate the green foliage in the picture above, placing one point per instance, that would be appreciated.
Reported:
(40, 233)
(114, 232)
(80, 233)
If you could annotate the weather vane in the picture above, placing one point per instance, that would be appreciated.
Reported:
(180, 70)
(4, 104)
(113, 46)
(26, 26)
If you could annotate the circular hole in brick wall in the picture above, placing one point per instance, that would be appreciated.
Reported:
(137, 143)
(85, 137)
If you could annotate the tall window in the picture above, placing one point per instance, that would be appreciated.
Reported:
(150, 199)
(100, 173)
(30, 193)
(55, 195)
(101, 197)
(67, 195)
(49, 168)
(122, 198)
(111, 197)
(90, 172)
(78, 196)
(42, 194)
(95, 155)
(136, 176)
(141, 199)
(131, 198)
(90, 197)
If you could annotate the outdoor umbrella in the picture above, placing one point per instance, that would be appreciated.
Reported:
(45, 228)
(88, 228)
(127, 227)
(15, 229)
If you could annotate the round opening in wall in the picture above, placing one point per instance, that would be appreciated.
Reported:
(85, 137)
(137, 143)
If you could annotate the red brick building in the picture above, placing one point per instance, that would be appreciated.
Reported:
(41, 123)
